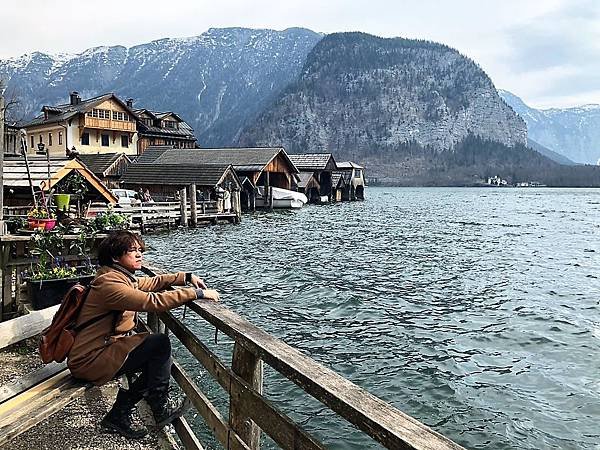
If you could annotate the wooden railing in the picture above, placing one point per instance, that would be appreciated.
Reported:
(166, 214)
(250, 413)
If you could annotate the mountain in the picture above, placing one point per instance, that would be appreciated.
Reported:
(216, 81)
(359, 95)
(571, 132)
(557, 157)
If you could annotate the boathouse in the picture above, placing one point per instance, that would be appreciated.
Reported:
(213, 186)
(309, 186)
(108, 167)
(320, 165)
(263, 167)
(355, 188)
(339, 181)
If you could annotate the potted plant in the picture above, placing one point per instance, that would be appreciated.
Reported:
(41, 219)
(50, 277)
(110, 220)
(72, 186)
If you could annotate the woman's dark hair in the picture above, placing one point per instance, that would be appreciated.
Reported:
(116, 244)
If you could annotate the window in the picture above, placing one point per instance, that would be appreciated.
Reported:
(105, 140)
(124, 140)
(49, 139)
(32, 143)
(170, 124)
(85, 139)
(357, 173)
(60, 138)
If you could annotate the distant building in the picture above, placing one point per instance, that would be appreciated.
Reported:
(162, 128)
(321, 166)
(355, 180)
(12, 143)
(102, 124)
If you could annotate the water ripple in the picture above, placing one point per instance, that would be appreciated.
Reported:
(475, 310)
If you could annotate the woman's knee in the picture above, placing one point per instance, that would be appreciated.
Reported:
(160, 344)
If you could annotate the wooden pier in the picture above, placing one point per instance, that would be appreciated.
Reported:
(148, 216)
(38, 395)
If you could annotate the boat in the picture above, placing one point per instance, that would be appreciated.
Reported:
(282, 198)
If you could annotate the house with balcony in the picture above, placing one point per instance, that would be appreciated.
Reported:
(162, 128)
(103, 124)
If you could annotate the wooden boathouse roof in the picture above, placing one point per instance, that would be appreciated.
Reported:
(339, 179)
(242, 159)
(314, 161)
(15, 174)
(307, 180)
(348, 165)
(104, 164)
(177, 174)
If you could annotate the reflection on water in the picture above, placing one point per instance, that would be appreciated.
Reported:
(474, 310)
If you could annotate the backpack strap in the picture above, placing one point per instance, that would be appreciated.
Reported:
(78, 328)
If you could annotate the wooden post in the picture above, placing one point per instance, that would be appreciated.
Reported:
(193, 207)
(183, 207)
(6, 281)
(250, 369)
(267, 192)
(1, 158)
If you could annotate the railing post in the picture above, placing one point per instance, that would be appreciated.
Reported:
(183, 207)
(250, 368)
(193, 207)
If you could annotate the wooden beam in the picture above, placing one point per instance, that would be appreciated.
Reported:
(11, 390)
(378, 419)
(15, 330)
(287, 434)
(211, 415)
(249, 368)
(187, 436)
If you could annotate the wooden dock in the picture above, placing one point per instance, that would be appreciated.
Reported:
(149, 216)
(250, 411)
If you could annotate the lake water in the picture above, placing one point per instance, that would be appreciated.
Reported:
(477, 311)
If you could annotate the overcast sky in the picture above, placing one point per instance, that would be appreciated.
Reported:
(545, 51)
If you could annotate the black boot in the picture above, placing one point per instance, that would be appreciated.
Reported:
(118, 419)
(162, 409)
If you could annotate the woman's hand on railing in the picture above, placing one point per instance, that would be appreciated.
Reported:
(211, 294)
(197, 282)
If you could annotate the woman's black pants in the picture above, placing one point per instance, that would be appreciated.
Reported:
(153, 359)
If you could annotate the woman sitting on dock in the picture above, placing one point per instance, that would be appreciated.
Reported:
(110, 347)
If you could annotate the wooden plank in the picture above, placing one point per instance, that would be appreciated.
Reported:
(249, 368)
(15, 330)
(20, 401)
(378, 419)
(40, 408)
(187, 436)
(272, 421)
(11, 390)
(206, 409)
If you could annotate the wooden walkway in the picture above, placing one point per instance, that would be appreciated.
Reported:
(250, 412)
(170, 214)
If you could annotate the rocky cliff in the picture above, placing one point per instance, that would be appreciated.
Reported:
(359, 94)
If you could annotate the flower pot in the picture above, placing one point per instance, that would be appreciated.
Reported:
(41, 224)
(46, 293)
(62, 201)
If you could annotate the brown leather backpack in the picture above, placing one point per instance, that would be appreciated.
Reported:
(58, 338)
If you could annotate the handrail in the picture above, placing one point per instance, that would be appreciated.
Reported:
(243, 382)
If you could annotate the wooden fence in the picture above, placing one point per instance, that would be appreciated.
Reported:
(169, 214)
(250, 413)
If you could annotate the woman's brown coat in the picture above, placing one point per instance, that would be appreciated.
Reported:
(98, 353)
